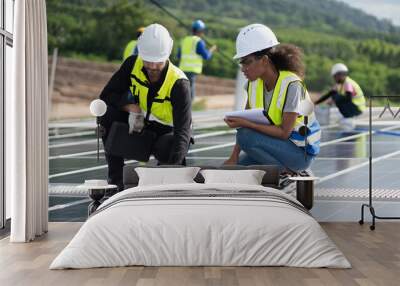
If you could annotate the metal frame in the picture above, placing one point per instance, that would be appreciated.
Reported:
(369, 205)
(6, 39)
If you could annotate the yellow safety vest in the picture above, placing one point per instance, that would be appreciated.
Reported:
(129, 49)
(358, 99)
(161, 109)
(190, 60)
(274, 113)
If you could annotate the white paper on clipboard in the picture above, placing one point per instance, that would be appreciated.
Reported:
(256, 115)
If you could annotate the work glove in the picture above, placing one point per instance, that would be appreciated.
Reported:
(136, 122)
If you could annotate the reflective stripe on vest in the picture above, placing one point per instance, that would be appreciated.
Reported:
(161, 110)
(358, 99)
(275, 111)
(190, 60)
(130, 48)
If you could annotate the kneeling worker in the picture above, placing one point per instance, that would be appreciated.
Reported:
(275, 84)
(150, 80)
(346, 93)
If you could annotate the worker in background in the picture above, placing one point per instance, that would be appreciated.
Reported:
(192, 52)
(144, 78)
(346, 94)
(131, 47)
(275, 83)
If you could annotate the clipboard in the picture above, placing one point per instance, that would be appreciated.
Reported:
(257, 115)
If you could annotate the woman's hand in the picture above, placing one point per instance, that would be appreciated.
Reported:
(237, 122)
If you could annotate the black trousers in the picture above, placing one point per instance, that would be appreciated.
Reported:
(346, 107)
(161, 148)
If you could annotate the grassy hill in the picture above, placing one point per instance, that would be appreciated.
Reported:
(326, 30)
(326, 16)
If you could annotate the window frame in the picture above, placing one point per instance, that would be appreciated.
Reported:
(6, 39)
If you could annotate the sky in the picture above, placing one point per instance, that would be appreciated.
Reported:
(382, 9)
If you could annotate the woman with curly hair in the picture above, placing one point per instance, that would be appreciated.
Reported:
(275, 75)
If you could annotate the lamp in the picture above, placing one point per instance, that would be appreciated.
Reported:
(98, 108)
(305, 185)
(306, 107)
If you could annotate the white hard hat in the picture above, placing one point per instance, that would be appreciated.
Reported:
(339, 67)
(254, 38)
(155, 44)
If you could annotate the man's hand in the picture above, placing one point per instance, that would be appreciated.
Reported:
(237, 122)
(132, 108)
(136, 122)
(213, 48)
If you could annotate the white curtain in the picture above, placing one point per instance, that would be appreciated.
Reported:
(26, 117)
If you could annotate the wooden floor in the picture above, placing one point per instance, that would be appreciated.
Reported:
(374, 255)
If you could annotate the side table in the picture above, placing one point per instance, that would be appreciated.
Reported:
(96, 193)
(305, 190)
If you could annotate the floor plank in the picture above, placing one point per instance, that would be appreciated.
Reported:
(374, 255)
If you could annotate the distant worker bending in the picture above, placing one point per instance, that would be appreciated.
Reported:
(346, 93)
(131, 48)
(192, 52)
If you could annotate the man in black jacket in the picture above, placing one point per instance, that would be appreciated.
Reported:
(150, 76)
